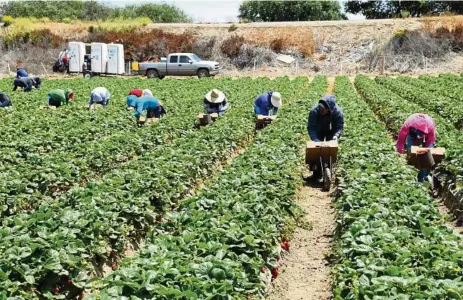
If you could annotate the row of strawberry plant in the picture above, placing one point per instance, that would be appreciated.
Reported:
(72, 235)
(445, 85)
(415, 90)
(216, 244)
(394, 110)
(25, 183)
(390, 241)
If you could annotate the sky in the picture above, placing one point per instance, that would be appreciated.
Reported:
(203, 11)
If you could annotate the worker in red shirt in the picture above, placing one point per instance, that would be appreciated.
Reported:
(136, 92)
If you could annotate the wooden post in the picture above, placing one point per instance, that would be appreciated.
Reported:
(44, 69)
(382, 65)
(254, 68)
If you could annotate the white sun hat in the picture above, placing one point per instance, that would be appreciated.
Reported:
(215, 96)
(147, 93)
(276, 99)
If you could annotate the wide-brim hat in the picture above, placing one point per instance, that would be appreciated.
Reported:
(215, 96)
(276, 99)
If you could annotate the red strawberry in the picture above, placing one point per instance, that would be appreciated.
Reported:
(80, 297)
(56, 290)
(114, 266)
(70, 281)
(262, 270)
(275, 273)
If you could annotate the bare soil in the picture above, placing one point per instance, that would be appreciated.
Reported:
(304, 273)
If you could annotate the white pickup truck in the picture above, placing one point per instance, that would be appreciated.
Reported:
(179, 64)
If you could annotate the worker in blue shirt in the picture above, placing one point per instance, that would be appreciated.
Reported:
(99, 95)
(20, 72)
(4, 100)
(153, 107)
(131, 102)
(266, 102)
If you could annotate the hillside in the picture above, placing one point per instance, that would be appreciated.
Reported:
(330, 47)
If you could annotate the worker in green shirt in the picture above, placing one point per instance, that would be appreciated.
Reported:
(60, 97)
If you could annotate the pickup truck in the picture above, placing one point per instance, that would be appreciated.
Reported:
(179, 64)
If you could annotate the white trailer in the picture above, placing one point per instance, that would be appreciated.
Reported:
(77, 55)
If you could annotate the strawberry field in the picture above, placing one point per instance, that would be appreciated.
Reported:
(93, 206)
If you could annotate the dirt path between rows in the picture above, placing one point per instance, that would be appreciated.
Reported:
(304, 273)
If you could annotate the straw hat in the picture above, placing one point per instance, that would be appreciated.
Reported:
(215, 96)
(276, 99)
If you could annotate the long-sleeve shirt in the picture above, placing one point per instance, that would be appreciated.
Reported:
(25, 83)
(422, 122)
(99, 95)
(4, 100)
(21, 73)
(215, 107)
(145, 103)
(264, 104)
(329, 125)
(58, 95)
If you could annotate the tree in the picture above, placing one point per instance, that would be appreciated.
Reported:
(385, 9)
(275, 11)
(91, 10)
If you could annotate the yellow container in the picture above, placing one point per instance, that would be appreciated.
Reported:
(135, 66)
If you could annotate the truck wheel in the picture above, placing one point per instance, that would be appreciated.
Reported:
(162, 77)
(327, 179)
(152, 73)
(203, 73)
(87, 75)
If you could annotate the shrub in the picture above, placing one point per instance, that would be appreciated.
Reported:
(232, 45)
(278, 45)
(232, 28)
(7, 20)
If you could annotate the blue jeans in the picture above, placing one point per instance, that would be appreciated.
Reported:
(422, 174)
(156, 113)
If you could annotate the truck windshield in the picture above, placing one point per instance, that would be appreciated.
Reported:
(195, 58)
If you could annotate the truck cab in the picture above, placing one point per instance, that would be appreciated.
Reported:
(179, 64)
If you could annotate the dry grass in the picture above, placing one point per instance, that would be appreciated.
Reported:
(450, 27)
(73, 29)
(300, 39)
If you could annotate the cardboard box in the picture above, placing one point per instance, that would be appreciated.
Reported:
(438, 154)
(48, 107)
(204, 118)
(315, 150)
(263, 121)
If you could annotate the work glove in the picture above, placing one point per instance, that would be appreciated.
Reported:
(335, 138)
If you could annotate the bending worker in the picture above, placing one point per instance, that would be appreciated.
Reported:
(136, 92)
(418, 130)
(266, 102)
(131, 102)
(21, 72)
(99, 95)
(326, 120)
(215, 102)
(153, 107)
(26, 83)
(60, 97)
(4, 100)
(139, 93)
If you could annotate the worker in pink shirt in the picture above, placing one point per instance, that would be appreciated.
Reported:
(418, 130)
